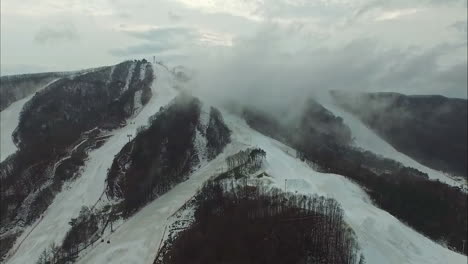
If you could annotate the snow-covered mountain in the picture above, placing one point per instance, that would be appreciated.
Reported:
(115, 165)
(429, 129)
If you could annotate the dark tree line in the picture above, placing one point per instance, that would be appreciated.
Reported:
(164, 134)
(431, 129)
(243, 163)
(157, 158)
(431, 207)
(218, 134)
(34, 193)
(17, 87)
(252, 224)
(163, 154)
(55, 120)
(82, 228)
(85, 230)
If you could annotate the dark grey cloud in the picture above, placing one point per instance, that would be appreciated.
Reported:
(174, 17)
(258, 73)
(421, 74)
(141, 49)
(158, 40)
(124, 15)
(460, 26)
(53, 33)
(165, 33)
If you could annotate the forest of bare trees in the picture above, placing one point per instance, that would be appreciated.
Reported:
(67, 113)
(243, 163)
(163, 154)
(85, 231)
(431, 207)
(238, 223)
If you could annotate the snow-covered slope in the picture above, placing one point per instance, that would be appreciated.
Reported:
(9, 121)
(367, 139)
(87, 189)
(383, 238)
(137, 240)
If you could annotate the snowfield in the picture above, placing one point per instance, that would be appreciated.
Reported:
(367, 139)
(10, 120)
(138, 239)
(88, 187)
(382, 237)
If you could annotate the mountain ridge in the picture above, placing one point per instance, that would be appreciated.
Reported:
(381, 237)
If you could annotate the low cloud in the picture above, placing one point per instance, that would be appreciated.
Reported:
(261, 72)
(164, 33)
(142, 49)
(48, 34)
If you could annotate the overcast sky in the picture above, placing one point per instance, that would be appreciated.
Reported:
(409, 46)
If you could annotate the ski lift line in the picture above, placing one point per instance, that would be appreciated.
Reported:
(166, 224)
(162, 238)
(178, 209)
(8, 256)
(95, 237)
(160, 244)
(91, 245)
(98, 200)
(42, 215)
(80, 250)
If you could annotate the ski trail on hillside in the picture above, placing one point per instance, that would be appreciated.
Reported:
(367, 139)
(9, 120)
(88, 187)
(136, 241)
(382, 237)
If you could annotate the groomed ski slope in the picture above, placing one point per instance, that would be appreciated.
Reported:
(137, 240)
(367, 139)
(88, 187)
(9, 120)
(383, 238)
